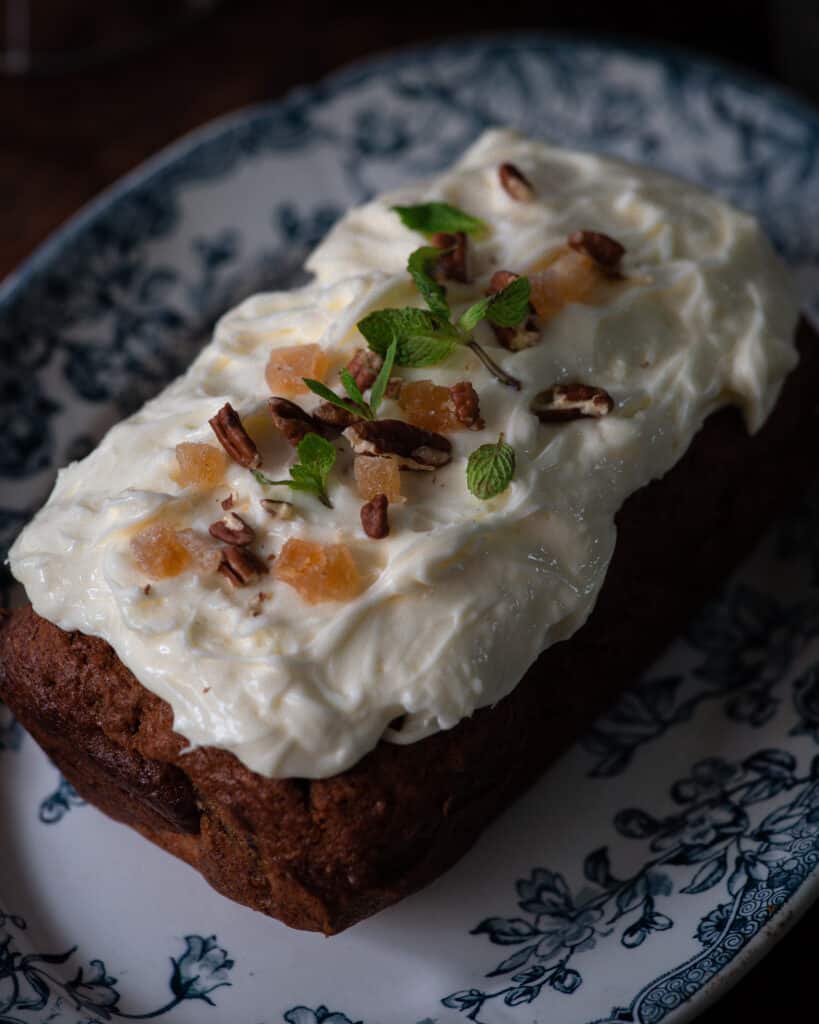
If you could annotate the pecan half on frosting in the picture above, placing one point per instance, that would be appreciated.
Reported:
(291, 420)
(333, 416)
(527, 332)
(606, 251)
(565, 402)
(374, 517)
(467, 405)
(364, 368)
(515, 183)
(241, 566)
(453, 263)
(232, 529)
(233, 437)
(411, 447)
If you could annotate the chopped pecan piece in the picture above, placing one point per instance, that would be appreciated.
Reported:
(232, 529)
(291, 420)
(233, 437)
(364, 368)
(277, 509)
(241, 566)
(411, 447)
(393, 389)
(527, 332)
(515, 183)
(374, 518)
(453, 264)
(228, 502)
(606, 251)
(333, 416)
(565, 402)
(467, 405)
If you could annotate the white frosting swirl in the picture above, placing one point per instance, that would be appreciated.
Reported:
(463, 594)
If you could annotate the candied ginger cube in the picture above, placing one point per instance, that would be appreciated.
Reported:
(286, 367)
(159, 553)
(318, 572)
(428, 406)
(569, 277)
(374, 475)
(205, 554)
(200, 464)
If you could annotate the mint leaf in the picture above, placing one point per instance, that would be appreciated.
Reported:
(510, 305)
(470, 319)
(317, 457)
(422, 338)
(490, 469)
(382, 380)
(431, 217)
(352, 389)
(330, 396)
(418, 265)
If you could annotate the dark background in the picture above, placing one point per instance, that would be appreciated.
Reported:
(66, 136)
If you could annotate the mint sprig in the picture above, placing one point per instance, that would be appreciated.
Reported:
(429, 218)
(356, 403)
(490, 468)
(425, 337)
(316, 458)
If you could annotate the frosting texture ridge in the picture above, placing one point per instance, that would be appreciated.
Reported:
(463, 595)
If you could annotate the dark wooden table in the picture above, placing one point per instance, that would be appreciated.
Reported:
(65, 138)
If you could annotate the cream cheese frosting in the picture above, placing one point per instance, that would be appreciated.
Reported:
(463, 595)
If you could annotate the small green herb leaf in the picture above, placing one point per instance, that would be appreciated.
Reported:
(382, 380)
(352, 388)
(421, 337)
(490, 469)
(419, 266)
(431, 217)
(470, 319)
(317, 457)
(330, 396)
(510, 305)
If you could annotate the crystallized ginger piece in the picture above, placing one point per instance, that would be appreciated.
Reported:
(428, 406)
(202, 465)
(159, 553)
(570, 276)
(318, 572)
(374, 475)
(205, 554)
(287, 366)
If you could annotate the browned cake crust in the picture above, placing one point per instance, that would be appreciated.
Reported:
(324, 854)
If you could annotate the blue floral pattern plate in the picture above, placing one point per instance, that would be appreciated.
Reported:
(697, 838)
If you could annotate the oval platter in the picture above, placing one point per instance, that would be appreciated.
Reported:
(671, 846)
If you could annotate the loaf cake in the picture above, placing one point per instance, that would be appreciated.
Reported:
(315, 615)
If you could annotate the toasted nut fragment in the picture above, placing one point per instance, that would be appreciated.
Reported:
(515, 183)
(291, 420)
(393, 389)
(500, 279)
(232, 529)
(234, 438)
(277, 509)
(467, 405)
(241, 566)
(527, 332)
(411, 447)
(333, 416)
(228, 502)
(364, 367)
(452, 265)
(606, 251)
(565, 402)
(374, 518)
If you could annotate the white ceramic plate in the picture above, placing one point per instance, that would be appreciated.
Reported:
(664, 853)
